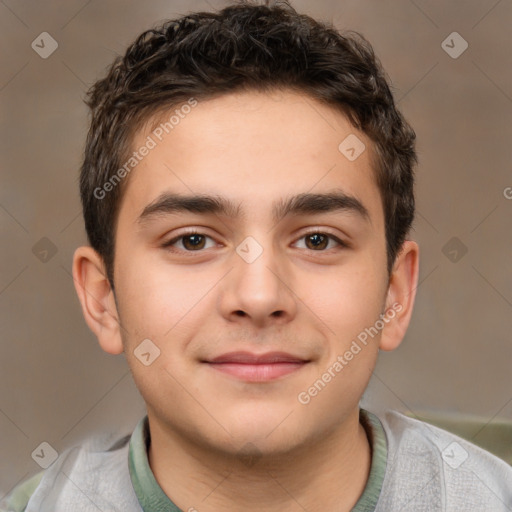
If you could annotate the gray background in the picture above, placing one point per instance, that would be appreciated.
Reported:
(58, 386)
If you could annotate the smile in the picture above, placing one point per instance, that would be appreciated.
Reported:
(257, 368)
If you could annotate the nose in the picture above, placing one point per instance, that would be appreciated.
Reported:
(259, 288)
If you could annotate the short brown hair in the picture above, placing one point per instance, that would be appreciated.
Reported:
(243, 46)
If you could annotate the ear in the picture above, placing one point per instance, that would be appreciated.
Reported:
(401, 294)
(97, 299)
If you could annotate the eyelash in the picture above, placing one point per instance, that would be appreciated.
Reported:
(168, 245)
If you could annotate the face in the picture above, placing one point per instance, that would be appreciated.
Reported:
(251, 298)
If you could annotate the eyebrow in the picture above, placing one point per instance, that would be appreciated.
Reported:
(306, 203)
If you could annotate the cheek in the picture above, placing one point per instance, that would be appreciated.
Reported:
(350, 299)
(161, 305)
(349, 307)
(156, 300)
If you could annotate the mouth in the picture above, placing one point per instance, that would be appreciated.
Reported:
(252, 367)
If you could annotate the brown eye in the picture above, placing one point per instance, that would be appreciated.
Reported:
(319, 242)
(193, 242)
(190, 242)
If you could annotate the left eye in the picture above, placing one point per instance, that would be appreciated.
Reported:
(317, 240)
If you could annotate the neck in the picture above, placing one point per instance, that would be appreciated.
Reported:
(329, 473)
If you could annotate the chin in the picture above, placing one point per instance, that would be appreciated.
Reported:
(265, 433)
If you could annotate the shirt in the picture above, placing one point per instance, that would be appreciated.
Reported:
(414, 466)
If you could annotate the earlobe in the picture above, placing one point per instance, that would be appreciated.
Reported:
(401, 294)
(97, 299)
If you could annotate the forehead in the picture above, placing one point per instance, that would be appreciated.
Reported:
(254, 149)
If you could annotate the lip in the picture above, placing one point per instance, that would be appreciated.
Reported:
(242, 357)
(253, 367)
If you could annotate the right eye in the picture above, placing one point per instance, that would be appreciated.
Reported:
(193, 241)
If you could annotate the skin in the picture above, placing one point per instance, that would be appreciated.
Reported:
(253, 149)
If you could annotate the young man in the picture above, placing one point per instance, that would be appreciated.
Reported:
(247, 191)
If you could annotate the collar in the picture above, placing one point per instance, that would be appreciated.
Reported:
(153, 499)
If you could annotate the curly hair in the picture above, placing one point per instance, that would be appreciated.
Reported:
(245, 46)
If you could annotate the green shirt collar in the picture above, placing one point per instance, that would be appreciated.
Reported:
(150, 495)
(153, 499)
(377, 438)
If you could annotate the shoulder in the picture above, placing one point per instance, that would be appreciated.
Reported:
(17, 499)
(91, 460)
(431, 462)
